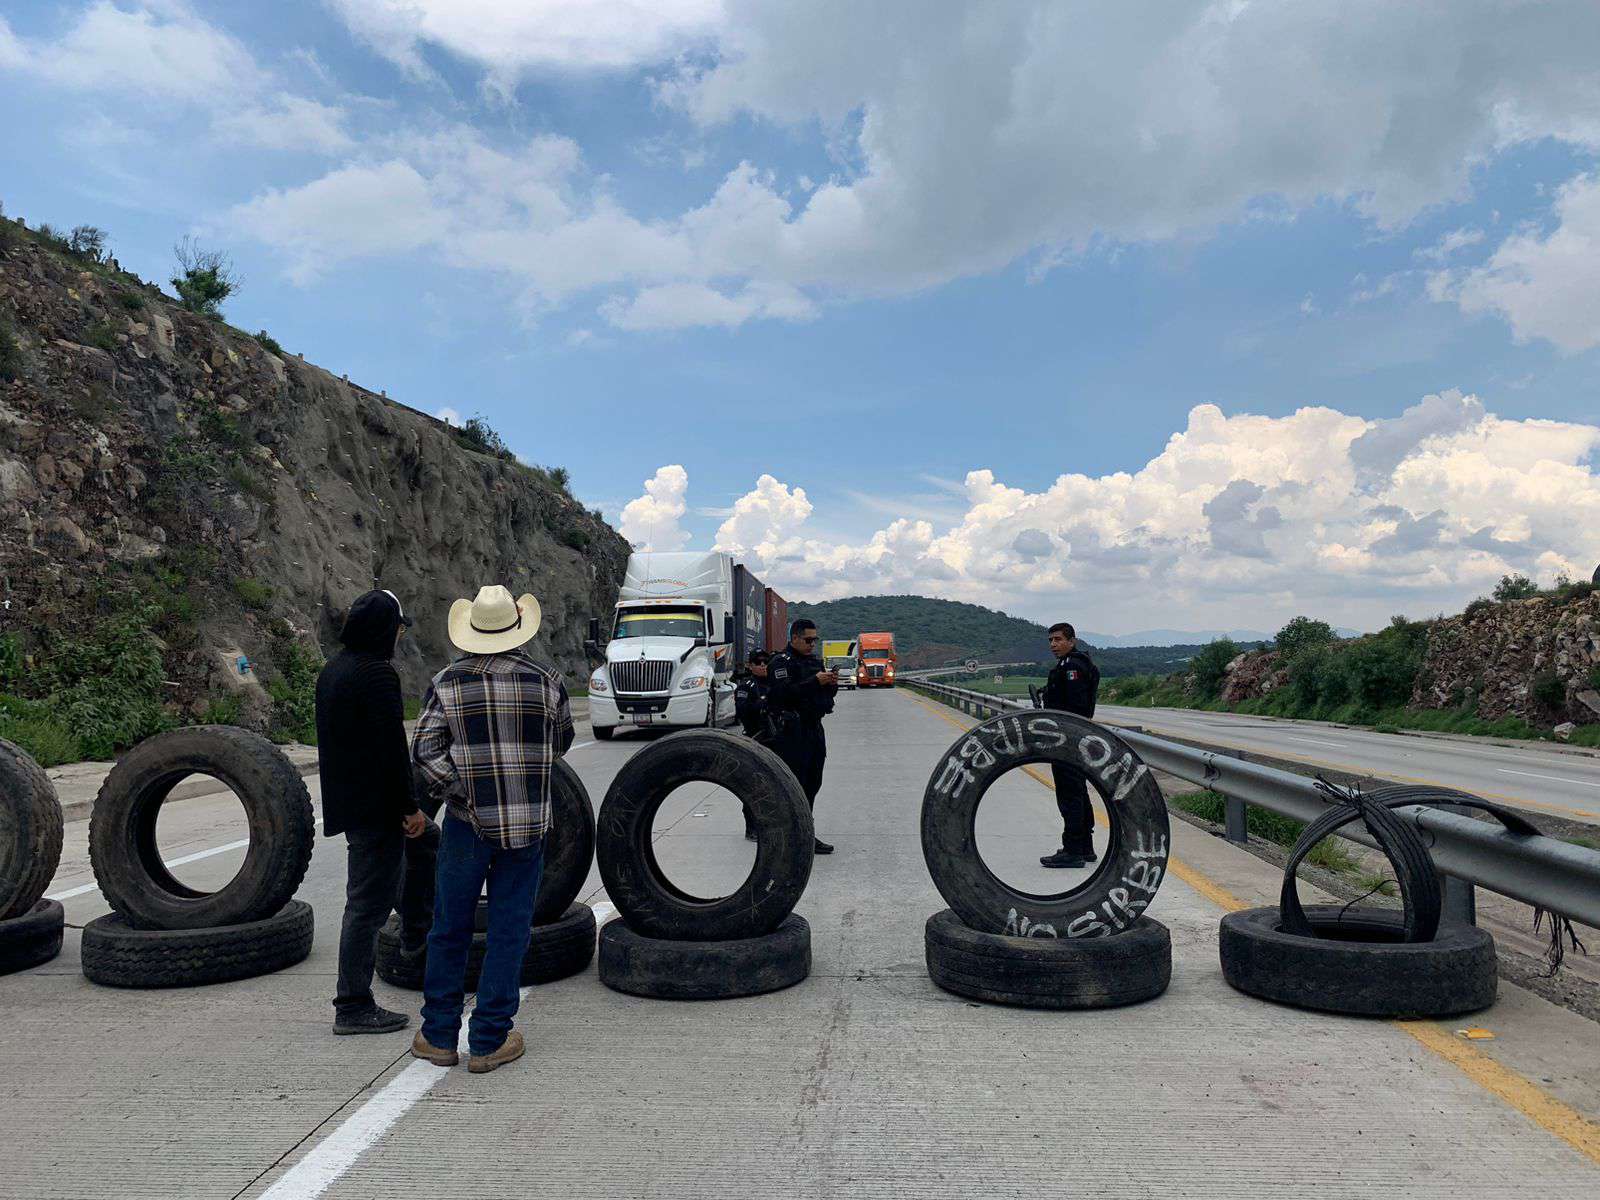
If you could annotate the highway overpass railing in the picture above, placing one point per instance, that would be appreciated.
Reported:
(1545, 872)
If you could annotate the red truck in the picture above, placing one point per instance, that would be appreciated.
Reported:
(877, 660)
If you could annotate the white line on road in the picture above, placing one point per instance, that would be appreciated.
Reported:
(1320, 742)
(85, 889)
(1552, 778)
(342, 1149)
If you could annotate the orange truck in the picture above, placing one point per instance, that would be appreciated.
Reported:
(877, 660)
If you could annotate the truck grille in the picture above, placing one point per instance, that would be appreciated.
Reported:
(875, 672)
(643, 675)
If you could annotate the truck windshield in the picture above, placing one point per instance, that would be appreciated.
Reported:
(846, 663)
(875, 653)
(662, 622)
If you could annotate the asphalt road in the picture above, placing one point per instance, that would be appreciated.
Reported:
(863, 1081)
(1529, 776)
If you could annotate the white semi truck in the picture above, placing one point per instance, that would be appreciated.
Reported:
(684, 622)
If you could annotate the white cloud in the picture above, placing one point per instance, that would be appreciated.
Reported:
(1243, 519)
(1546, 285)
(161, 53)
(1450, 245)
(449, 416)
(514, 38)
(650, 521)
(1071, 126)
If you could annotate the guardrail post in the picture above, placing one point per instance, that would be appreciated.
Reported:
(1235, 813)
(1459, 898)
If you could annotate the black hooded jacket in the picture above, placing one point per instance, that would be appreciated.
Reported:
(361, 735)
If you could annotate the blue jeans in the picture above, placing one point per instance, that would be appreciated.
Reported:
(465, 861)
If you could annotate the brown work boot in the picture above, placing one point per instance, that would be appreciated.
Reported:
(422, 1048)
(510, 1050)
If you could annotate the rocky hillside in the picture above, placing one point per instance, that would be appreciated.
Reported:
(161, 470)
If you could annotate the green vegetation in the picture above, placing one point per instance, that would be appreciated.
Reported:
(205, 280)
(101, 336)
(253, 592)
(1515, 587)
(1546, 687)
(11, 360)
(294, 693)
(1209, 668)
(480, 437)
(222, 710)
(1303, 633)
(931, 632)
(131, 301)
(88, 242)
(268, 341)
(1329, 853)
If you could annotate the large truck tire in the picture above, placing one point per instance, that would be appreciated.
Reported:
(117, 955)
(1135, 858)
(30, 831)
(785, 839)
(1049, 972)
(560, 948)
(1357, 963)
(32, 938)
(122, 831)
(568, 846)
(669, 969)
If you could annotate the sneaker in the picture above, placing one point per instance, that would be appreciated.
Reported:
(369, 1020)
(422, 1048)
(822, 847)
(1062, 859)
(510, 1050)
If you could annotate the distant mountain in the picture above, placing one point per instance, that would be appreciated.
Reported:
(929, 632)
(1186, 637)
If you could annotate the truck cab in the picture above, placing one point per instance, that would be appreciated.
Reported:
(682, 623)
(877, 660)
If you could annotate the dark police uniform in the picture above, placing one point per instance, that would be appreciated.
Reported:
(751, 703)
(1073, 684)
(798, 703)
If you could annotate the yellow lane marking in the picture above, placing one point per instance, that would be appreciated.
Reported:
(1354, 770)
(1543, 1109)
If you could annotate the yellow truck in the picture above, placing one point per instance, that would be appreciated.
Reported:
(840, 656)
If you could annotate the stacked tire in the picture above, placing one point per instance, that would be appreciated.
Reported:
(563, 930)
(1365, 961)
(1091, 947)
(164, 933)
(30, 851)
(671, 945)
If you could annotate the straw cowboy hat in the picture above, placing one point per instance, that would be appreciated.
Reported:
(494, 622)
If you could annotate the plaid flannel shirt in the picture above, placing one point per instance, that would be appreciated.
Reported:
(488, 735)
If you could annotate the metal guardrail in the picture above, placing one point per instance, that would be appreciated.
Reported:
(961, 669)
(1543, 871)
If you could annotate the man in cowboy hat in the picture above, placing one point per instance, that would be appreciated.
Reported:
(491, 728)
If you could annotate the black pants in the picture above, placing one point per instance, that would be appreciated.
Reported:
(1077, 817)
(804, 749)
(372, 889)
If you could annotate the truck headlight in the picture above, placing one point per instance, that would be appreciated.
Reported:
(694, 683)
(597, 682)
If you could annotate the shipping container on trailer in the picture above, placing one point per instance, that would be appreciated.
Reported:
(749, 615)
(777, 621)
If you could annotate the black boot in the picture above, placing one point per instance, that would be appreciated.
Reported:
(369, 1020)
(822, 847)
(1063, 858)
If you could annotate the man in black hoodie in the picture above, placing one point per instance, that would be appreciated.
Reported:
(365, 764)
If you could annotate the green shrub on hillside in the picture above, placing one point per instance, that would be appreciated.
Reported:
(1302, 633)
(253, 592)
(104, 684)
(1547, 688)
(11, 361)
(1515, 587)
(294, 692)
(268, 342)
(206, 278)
(479, 436)
(1210, 667)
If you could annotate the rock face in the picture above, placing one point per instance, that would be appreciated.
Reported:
(1252, 675)
(1495, 654)
(143, 447)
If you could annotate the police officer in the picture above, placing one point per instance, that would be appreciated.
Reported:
(800, 692)
(1073, 684)
(751, 706)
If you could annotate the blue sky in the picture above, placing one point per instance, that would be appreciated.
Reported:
(837, 261)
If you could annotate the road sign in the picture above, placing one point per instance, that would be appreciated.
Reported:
(972, 664)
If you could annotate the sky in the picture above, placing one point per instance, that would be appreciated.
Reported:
(1185, 314)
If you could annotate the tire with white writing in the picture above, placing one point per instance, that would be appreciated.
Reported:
(558, 949)
(785, 839)
(1135, 858)
(117, 955)
(122, 831)
(1049, 972)
(668, 969)
(32, 938)
(1358, 964)
(30, 831)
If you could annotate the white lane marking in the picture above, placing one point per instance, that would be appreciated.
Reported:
(1552, 778)
(1320, 742)
(603, 911)
(343, 1148)
(578, 746)
(85, 889)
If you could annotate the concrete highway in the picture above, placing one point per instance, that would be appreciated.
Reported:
(1529, 775)
(863, 1081)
